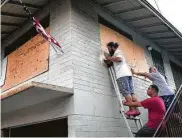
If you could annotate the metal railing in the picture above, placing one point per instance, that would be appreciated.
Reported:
(171, 125)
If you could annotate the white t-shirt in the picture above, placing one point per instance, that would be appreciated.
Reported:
(161, 83)
(121, 68)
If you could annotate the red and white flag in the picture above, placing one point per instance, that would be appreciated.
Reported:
(46, 35)
(41, 30)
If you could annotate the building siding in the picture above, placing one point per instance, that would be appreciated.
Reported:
(93, 110)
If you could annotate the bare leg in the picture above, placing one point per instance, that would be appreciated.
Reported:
(129, 99)
(132, 110)
(134, 99)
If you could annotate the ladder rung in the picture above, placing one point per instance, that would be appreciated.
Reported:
(134, 132)
(122, 112)
(133, 118)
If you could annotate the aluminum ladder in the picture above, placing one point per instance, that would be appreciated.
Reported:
(137, 120)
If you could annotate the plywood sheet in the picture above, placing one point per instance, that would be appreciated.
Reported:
(134, 54)
(28, 61)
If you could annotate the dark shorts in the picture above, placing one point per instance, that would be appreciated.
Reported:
(168, 100)
(125, 85)
(145, 131)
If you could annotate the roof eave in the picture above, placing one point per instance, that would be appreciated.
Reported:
(160, 16)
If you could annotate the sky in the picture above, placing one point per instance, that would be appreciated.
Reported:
(171, 10)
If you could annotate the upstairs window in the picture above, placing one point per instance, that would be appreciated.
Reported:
(158, 62)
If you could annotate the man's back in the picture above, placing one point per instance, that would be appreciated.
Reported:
(160, 81)
(156, 111)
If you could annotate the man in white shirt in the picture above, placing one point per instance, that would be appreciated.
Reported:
(123, 75)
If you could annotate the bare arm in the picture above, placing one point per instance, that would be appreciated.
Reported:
(133, 104)
(141, 74)
(115, 59)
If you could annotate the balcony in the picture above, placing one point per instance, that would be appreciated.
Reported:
(31, 94)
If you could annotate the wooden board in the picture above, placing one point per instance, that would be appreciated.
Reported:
(28, 61)
(134, 54)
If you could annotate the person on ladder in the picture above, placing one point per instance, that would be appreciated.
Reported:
(156, 111)
(123, 75)
(158, 79)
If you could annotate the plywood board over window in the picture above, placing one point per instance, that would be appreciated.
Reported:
(26, 62)
(134, 54)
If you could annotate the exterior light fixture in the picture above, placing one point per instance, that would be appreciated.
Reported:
(149, 47)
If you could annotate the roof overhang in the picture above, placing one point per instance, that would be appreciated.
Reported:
(15, 21)
(31, 94)
(143, 18)
(139, 15)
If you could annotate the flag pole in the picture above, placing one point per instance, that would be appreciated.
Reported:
(41, 30)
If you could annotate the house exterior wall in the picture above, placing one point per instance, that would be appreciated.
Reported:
(60, 73)
(93, 110)
(93, 84)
